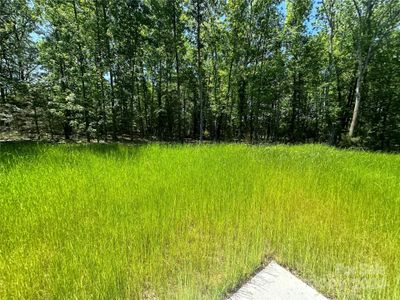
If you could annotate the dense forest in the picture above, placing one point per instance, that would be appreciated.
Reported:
(220, 70)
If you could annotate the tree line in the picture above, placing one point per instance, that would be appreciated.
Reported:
(237, 70)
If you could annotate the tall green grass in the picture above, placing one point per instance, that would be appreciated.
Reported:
(191, 222)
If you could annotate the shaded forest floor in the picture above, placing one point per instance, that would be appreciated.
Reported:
(191, 222)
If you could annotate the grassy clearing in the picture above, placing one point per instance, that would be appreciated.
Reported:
(190, 222)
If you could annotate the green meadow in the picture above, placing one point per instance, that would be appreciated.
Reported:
(195, 221)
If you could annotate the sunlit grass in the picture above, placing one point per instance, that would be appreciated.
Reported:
(191, 222)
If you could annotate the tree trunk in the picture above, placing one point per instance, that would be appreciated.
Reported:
(229, 97)
(111, 73)
(356, 103)
(177, 66)
(100, 73)
(362, 67)
(82, 73)
(132, 97)
(159, 102)
(199, 70)
(144, 114)
(36, 122)
(67, 113)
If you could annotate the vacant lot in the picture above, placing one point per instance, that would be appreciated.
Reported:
(191, 222)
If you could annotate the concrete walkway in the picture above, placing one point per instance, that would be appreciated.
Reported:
(276, 283)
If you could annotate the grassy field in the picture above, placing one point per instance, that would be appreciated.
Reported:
(191, 222)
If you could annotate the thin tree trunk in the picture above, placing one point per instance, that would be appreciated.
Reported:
(36, 122)
(132, 97)
(111, 73)
(67, 113)
(229, 96)
(199, 66)
(143, 115)
(100, 73)
(216, 98)
(362, 66)
(82, 73)
(159, 102)
(294, 107)
(177, 69)
(2, 90)
(356, 104)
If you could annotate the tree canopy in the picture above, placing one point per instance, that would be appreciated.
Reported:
(238, 70)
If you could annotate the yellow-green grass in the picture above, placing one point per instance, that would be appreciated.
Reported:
(191, 222)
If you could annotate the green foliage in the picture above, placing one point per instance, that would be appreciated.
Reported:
(259, 71)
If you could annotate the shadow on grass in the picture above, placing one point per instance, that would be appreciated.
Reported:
(116, 151)
(12, 152)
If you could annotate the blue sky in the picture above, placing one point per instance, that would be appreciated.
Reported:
(313, 14)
